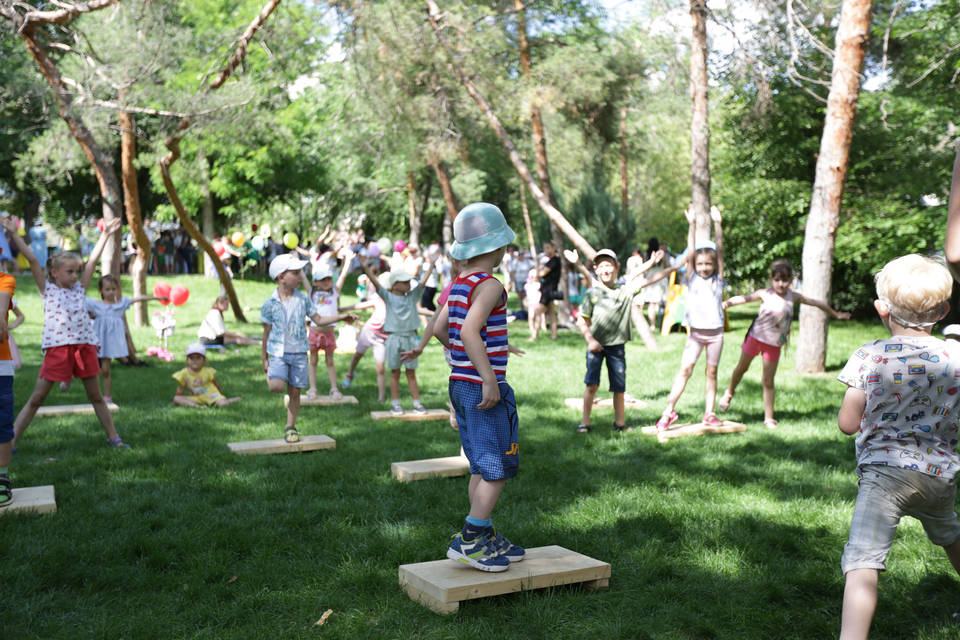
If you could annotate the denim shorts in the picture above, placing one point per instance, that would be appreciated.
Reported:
(291, 368)
(616, 367)
(885, 495)
(6, 408)
(489, 436)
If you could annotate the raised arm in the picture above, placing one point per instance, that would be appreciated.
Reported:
(951, 246)
(717, 218)
(347, 255)
(691, 240)
(839, 315)
(574, 258)
(365, 265)
(36, 269)
(110, 227)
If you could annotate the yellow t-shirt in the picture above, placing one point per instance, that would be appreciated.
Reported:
(200, 384)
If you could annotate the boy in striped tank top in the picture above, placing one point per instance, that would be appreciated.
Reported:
(473, 325)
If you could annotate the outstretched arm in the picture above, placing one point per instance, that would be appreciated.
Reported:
(717, 218)
(574, 258)
(110, 227)
(735, 300)
(839, 315)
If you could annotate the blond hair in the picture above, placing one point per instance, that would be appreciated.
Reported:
(57, 259)
(916, 288)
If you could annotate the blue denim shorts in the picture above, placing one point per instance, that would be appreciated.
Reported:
(6, 408)
(489, 436)
(291, 368)
(616, 367)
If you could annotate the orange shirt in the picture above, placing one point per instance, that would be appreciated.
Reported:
(8, 284)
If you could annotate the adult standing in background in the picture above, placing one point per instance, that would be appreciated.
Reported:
(37, 237)
(550, 291)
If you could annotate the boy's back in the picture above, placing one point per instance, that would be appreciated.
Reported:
(910, 421)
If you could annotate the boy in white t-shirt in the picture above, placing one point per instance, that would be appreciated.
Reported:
(902, 403)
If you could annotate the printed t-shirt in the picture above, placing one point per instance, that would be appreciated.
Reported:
(609, 312)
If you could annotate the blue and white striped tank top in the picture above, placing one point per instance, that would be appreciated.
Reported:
(493, 334)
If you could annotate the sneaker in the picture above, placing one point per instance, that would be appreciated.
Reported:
(504, 547)
(396, 409)
(710, 419)
(64, 386)
(419, 408)
(347, 379)
(478, 553)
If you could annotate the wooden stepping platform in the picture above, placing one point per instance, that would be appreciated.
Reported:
(693, 429)
(450, 467)
(71, 409)
(278, 445)
(441, 585)
(32, 499)
(412, 416)
(629, 402)
(321, 401)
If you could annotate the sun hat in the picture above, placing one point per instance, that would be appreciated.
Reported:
(195, 348)
(605, 253)
(479, 228)
(285, 262)
(398, 275)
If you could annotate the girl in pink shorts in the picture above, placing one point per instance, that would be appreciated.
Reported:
(769, 332)
(704, 318)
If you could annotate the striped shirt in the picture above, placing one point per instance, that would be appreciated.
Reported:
(493, 333)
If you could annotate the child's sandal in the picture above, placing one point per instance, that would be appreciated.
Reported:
(6, 490)
(666, 420)
(118, 443)
(771, 423)
(621, 428)
(710, 419)
(583, 428)
(291, 435)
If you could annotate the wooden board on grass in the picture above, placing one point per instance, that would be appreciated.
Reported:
(450, 467)
(321, 401)
(441, 585)
(629, 402)
(412, 416)
(32, 499)
(71, 409)
(694, 429)
(279, 445)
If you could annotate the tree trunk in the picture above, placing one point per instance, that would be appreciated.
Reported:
(526, 220)
(624, 184)
(447, 232)
(552, 212)
(131, 204)
(831, 172)
(699, 124)
(443, 177)
(413, 214)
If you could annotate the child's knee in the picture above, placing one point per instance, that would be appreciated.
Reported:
(591, 388)
(712, 371)
(686, 371)
(276, 385)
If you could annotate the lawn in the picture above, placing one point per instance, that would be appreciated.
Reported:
(731, 536)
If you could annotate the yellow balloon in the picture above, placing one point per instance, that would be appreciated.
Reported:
(290, 240)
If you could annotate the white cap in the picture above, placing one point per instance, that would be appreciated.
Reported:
(195, 348)
(285, 262)
(322, 271)
(398, 275)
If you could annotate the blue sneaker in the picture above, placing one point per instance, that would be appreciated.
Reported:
(347, 379)
(478, 553)
(504, 547)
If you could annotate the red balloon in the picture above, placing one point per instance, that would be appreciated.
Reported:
(100, 224)
(162, 290)
(179, 294)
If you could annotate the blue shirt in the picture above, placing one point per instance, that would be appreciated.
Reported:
(288, 332)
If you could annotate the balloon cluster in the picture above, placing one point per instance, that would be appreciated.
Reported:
(177, 294)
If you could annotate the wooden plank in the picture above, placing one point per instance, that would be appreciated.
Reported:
(693, 429)
(450, 467)
(412, 416)
(629, 402)
(442, 584)
(321, 401)
(278, 445)
(71, 409)
(32, 499)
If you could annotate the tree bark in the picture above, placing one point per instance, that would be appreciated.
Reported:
(624, 184)
(443, 177)
(552, 212)
(699, 124)
(413, 214)
(528, 225)
(131, 204)
(831, 172)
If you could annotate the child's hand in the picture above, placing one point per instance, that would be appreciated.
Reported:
(349, 317)
(725, 304)
(594, 346)
(413, 354)
(571, 255)
(515, 350)
(689, 214)
(715, 214)
(109, 226)
(490, 395)
(658, 256)
(8, 223)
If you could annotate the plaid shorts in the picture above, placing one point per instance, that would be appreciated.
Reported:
(886, 494)
(489, 436)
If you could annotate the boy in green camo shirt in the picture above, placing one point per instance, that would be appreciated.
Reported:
(604, 321)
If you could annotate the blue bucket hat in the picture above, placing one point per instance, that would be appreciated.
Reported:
(479, 228)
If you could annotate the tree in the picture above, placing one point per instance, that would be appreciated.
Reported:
(699, 122)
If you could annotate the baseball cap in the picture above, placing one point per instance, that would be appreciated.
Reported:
(479, 228)
(322, 271)
(605, 253)
(285, 262)
(195, 348)
(398, 275)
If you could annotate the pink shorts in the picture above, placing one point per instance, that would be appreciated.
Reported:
(67, 361)
(371, 338)
(700, 339)
(753, 347)
(322, 340)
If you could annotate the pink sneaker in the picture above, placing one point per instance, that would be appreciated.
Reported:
(710, 419)
(666, 420)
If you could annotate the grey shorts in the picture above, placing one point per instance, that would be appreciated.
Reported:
(398, 342)
(886, 494)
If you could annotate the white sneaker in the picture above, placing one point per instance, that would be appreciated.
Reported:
(419, 408)
(396, 409)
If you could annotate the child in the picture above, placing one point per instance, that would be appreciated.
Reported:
(213, 330)
(902, 402)
(769, 332)
(704, 279)
(110, 325)
(325, 296)
(400, 325)
(284, 345)
(604, 322)
(473, 324)
(8, 286)
(68, 341)
(196, 379)
(371, 337)
(17, 321)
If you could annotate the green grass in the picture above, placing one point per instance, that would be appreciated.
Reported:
(734, 536)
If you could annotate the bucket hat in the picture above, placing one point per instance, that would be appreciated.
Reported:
(479, 228)
(398, 275)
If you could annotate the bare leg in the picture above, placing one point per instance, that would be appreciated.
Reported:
(107, 378)
(381, 382)
(331, 374)
(679, 384)
(742, 365)
(412, 383)
(484, 495)
(710, 398)
(859, 603)
(953, 550)
(552, 317)
(589, 395)
(312, 373)
(619, 413)
(293, 407)
(30, 408)
(395, 384)
(769, 393)
(92, 386)
(353, 364)
(222, 402)
(230, 337)
(186, 401)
